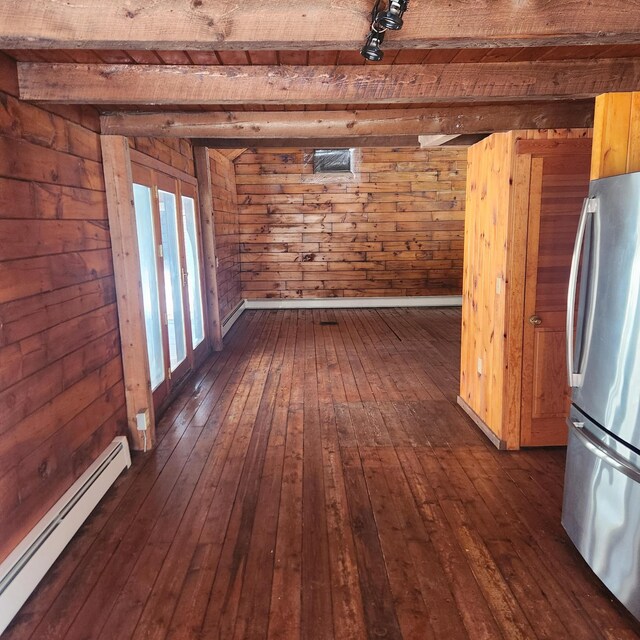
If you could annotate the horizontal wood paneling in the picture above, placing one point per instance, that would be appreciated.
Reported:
(61, 391)
(176, 152)
(394, 228)
(225, 213)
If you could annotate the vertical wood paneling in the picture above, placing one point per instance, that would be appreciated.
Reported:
(490, 171)
(392, 228)
(61, 389)
(616, 135)
(496, 245)
(225, 212)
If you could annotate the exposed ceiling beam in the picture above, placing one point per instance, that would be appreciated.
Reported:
(304, 24)
(319, 143)
(194, 84)
(320, 124)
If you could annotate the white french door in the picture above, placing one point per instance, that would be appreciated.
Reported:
(171, 274)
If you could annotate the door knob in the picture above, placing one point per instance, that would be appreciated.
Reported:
(535, 320)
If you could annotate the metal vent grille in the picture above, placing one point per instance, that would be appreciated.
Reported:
(332, 161)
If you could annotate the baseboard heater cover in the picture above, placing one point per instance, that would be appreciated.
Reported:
(356, 303)
(232, 318)
(27, 564)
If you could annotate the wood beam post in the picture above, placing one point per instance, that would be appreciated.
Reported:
(126, 267)
(207, 226)
(344, 84)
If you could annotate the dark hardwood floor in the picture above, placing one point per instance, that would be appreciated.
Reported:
(316, 480)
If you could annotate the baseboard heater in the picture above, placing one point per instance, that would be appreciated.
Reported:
(27, 564)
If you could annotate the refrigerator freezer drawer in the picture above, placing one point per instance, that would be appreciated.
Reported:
(601, 514)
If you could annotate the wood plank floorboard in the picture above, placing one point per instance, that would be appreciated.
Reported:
(317, 480)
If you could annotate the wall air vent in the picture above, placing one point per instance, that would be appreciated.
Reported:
(333, 161)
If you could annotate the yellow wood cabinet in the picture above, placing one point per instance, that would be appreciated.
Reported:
(524, 196)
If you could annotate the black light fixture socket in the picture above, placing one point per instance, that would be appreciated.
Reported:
(371, 50)
(392, 17)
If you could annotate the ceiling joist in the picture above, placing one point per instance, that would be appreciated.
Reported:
(304, 24)
(346, 124)
(200, 85)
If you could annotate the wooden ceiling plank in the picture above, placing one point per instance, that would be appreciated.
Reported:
(204, 57)
(343, 124)
(145, 57)
(109, 56)
(173, 57)
(234, 57)
(263, 57)
(293, 85)
(303, 24)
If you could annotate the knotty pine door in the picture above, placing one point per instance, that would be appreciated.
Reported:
(558, 185)
(171, 273)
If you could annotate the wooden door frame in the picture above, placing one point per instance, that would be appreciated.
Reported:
(118, 176)
(118, 158)
(145, 176)
(170, 184)
(530, 292)
(159, 176)
(528, 152)
(208, 234)
(514, 305)
(200, 352)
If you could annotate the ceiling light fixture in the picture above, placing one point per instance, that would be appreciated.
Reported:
(371, 50)
(392, 17)
(381, 21)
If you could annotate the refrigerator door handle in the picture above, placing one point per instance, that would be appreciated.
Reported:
(589, 206)
(596, 447)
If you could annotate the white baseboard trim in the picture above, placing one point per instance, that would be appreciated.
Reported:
(27, 564)
(356, 303)
(231, 320)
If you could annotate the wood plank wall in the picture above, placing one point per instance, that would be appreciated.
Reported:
(225, 212)
(61, 389)
(483, 306)
(395, 228)
(616, 135)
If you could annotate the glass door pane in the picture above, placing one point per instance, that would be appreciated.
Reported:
(149, 279)
(172, 278)
(193, 270)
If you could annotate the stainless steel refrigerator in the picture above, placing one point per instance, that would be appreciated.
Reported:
(601, 507)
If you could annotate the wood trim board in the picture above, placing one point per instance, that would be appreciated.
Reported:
(126, 266)
(477, 420)
(357, 303)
